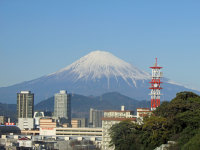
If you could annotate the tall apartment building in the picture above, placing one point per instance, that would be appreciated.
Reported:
(95, 118)
(110, 118)
(62, 107)
(25, 109)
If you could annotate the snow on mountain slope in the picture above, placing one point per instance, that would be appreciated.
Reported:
(98, 64)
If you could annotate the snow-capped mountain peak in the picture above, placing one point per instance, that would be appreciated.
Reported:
(99, 64)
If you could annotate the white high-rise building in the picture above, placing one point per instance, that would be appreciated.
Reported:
(62, 107)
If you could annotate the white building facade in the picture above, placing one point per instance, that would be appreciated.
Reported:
(110, 118)
(26, 123)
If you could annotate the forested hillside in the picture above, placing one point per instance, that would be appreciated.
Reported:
(178, 120)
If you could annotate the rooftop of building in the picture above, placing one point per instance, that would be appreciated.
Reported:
(118, 111)
(9, 129)
(119, 119)
(25, 92)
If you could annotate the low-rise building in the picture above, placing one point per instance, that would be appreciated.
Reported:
(110, 118)
(26, 123)
(47, 126)
(3, 120)
(25, 142)
(143, 112)
(94, 132)
(79, 122)
(76, 123)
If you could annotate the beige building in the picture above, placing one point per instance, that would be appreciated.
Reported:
(3, 119)
(79, 122)
(80, 132)
(143, 112)
(76, 123)
(112, 117)
(47, 126)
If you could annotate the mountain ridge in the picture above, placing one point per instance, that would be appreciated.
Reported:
(108, 101)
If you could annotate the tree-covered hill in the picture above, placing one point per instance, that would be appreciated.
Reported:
(178, 120)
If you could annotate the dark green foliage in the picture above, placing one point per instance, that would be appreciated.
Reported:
(178, 120)
(124, 136)
(193, 144)
(155, 131)
(185, 96)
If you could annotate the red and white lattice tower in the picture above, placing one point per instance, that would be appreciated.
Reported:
(155, 86)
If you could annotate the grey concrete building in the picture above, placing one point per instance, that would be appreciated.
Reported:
(95, 118)
(62, 107)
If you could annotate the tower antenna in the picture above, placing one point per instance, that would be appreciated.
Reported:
(155, 85)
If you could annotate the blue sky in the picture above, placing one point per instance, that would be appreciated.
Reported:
(42, 36)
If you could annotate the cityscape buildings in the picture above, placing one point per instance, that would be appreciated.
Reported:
(40, 142)
(62, 107)
(60, 126)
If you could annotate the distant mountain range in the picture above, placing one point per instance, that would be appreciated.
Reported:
(94, 74)
(81, 104)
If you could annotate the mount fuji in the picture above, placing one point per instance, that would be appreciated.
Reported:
(94, 74)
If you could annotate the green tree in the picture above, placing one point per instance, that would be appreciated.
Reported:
(193, 143)
(124, 136)
(155, 131)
